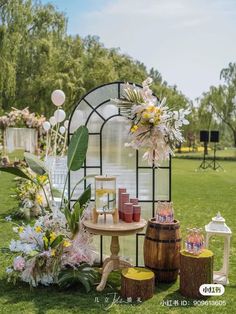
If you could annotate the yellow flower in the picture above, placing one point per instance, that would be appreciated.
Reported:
(150, 108)
(42, 179)
(157, 110)
(66, 243)
(52, 237)
(21, 229)
(39, 199)
(134, 128)
(146, 115)
(38, 229)
(53, 252)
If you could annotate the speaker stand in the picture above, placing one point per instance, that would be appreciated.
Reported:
(204, 164)
(214, 164)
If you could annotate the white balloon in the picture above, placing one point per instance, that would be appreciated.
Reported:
(62, 129)
(46, 126)
(53, 121)
(66, 124)
(58, 97)
(59, 115)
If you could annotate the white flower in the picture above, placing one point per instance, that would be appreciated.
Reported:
(46, 279)
(8, 218)
(9, 270)
(147, 82)
(19, 263)
(127, 144)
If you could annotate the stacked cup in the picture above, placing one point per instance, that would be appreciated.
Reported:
(129, 209)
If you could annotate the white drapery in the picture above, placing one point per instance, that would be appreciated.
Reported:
(21, 138)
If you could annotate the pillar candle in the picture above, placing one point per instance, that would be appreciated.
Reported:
(128, 212)
(136, 213)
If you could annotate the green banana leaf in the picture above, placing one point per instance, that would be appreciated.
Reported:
(77, 149)
(85, 196)
(35, 164)
(17, 172)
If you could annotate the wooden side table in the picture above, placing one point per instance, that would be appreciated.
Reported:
(114, 230)
(195, 270)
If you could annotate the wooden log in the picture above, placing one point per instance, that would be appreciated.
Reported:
(161, 249)
(137, 283)
(195, 270)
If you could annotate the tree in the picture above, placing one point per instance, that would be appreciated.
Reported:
(220, 101)
(37, 56)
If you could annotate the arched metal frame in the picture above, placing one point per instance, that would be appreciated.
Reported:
(100, 166)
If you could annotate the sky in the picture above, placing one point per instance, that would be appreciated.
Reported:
(187, 41)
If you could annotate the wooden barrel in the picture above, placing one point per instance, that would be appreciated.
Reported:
(162, 246)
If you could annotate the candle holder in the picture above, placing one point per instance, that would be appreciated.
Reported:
(105, 198)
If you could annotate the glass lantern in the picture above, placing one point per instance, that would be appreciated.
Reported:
(105, 197)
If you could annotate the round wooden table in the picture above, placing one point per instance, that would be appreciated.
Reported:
(114, 230)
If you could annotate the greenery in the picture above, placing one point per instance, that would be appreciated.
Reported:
(197, 197)
(37, 56)
(218, 105)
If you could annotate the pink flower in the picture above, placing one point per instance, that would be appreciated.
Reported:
(19, 263)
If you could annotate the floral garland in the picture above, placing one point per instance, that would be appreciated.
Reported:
(21, 118)
(154, 126)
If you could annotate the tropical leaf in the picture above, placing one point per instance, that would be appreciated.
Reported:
(17, 172)
(75, 217)
(35, 164)
(77, 211)
(84, 274)
(56, 192)
(57, 241)
(67, 215)
(81, 180)
(77, 149)
(85, 196)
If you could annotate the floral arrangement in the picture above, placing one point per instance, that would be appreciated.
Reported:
(57, 248)
(154, 126)
(21, 118)
(44, 250)
(30, 197)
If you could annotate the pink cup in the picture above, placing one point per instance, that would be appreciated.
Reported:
(120, 191)
(134, 200)
(124, 199)
(128, 212)
(136, 213)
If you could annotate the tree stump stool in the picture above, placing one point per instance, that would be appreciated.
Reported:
(195, 270)
(137, 283)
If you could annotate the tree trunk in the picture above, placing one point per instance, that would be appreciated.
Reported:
(194, 272)
(137, 283)
(234, 131)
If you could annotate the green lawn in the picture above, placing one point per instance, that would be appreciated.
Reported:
(197, 197)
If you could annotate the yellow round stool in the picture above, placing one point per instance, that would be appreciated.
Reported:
(137, 283)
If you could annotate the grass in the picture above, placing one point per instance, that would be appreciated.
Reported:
(197, 196)
(228, 154)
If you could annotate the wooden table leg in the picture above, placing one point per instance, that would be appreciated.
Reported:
(112, 263)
